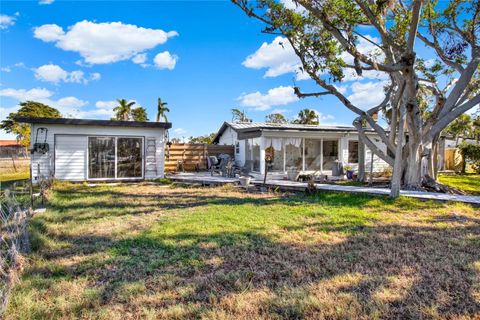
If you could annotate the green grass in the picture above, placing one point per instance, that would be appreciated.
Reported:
(156, 251)
(12, 176)
(469, 183)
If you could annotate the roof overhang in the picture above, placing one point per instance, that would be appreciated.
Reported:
(95, 122)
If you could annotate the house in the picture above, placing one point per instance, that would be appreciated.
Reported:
(96, 150)
(308, 148)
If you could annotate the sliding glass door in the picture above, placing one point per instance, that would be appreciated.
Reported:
(115, 158)
(129, 157)
(101, 157)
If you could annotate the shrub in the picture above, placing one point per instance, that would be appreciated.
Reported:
(471, 154)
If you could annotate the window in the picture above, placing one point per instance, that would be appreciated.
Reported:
(237, 147)
(115, 157)
(352, 151)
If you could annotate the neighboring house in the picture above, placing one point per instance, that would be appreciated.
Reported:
(309, 148)
(81, 149)
(11, 148)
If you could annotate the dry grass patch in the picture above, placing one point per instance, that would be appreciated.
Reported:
(164, 252)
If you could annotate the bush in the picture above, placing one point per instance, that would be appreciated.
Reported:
(471, 154)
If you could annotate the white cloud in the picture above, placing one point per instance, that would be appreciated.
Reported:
(368, 94)
(68, 106)
(290, 4)
(281, 111)
(46, 1)
(55, 74)
(277, 57)
(102, 43)
(6, 21)
(179, 131)
(23, 95)
(6, 69)
(164, 60)
(48, 33)
(274, 97)
(140, 58)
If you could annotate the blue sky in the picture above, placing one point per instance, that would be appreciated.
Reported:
(202, 57)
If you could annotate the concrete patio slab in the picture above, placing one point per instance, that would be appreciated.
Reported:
(205, 178)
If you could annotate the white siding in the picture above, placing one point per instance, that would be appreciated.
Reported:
(71, 157)
(46, 161)
(229, 137)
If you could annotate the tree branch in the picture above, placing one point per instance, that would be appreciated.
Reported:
(313, 94)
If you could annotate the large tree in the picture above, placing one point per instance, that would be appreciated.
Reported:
(325, 35)
(307, 116)
(27, 109)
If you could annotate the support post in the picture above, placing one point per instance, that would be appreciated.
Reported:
(284, 147)
(321, 156)
(262, 159)
(361, 161)
(303, 154)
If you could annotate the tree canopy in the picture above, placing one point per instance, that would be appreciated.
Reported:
(239, 116)
(275, 118)
(123, 111)
(27, 109)
(162, 110)
(139, 114)
(208, 138)
(307, 116)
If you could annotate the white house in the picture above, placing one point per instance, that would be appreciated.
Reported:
(81, 149)
(309, 148)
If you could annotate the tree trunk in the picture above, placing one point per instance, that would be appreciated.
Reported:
(413, 168)
(361, 161)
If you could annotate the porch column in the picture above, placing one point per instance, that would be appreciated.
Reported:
(321, 156)
(303, 154)
(284, 147)
(251, 154)
(262, 156)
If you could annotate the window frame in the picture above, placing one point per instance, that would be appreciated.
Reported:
(142, 152)
(349, 152)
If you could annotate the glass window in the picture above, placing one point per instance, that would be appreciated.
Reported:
(237, 147)
(352, 151)
(101, 157)
(129, 157)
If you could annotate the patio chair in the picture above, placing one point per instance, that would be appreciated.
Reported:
(218, 164)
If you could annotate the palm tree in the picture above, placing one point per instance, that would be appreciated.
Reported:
(307, 116)
(161, 113)
(123, 110)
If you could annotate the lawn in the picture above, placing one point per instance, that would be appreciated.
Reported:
(469, 183)
(151, 251)
(12, 176)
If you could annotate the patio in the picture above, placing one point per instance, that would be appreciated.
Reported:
(205, 178)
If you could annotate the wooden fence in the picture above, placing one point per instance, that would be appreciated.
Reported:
(194, 156)
(453, 159)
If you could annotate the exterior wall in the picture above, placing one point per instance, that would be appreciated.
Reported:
(79, 136)
(229, 137)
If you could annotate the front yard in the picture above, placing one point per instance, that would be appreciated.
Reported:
(156, 251)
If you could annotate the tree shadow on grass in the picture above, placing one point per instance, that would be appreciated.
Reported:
(400, 271)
